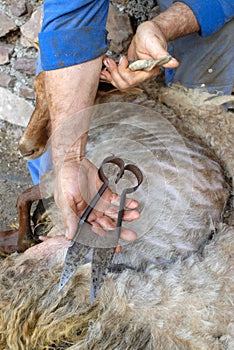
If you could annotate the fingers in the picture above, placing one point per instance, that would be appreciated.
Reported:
(105, 76)
(173, 63)
(43, 238)
(116, 73)
(118, 249)
(108, 206)
(129, 215)
(110, 198)
(121, 77)
(109, 203)
(72, 197)
(70, 218)
(104, 216)
(130, 203)
(101, 225)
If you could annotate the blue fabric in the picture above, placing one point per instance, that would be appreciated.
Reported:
(34, 169)
(72, 32)
(39, 166)
(38, 65)
(205, 61)
(211, 14)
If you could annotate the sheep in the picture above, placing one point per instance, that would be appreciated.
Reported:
(203, 115)
(175, 291)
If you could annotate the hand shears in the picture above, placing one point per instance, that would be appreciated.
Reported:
(86, 242)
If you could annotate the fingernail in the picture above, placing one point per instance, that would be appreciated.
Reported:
(106, 62)
(118, 249)
(121, 58)
(67, 235)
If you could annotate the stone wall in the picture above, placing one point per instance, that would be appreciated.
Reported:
(18, 54)
(19, 22)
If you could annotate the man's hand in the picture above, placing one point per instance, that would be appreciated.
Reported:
(149, 43)
(77, 182)
(70, 91)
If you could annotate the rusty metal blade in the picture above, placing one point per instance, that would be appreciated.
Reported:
(101, 262)
(78, 254)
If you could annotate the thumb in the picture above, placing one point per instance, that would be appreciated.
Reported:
(70, 220)
(157, 51)
(173, 63)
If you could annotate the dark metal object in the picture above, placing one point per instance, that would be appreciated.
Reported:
(86, 242)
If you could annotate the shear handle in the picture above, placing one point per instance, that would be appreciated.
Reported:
(138, 174)
(114, 160)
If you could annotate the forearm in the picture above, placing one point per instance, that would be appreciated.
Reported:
(68, 149)
(177, 21)
(70, 91)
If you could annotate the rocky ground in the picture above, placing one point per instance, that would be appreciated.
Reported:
(17, 70)
(14, 175)
(18, 53)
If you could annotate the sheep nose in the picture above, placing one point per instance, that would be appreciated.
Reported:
(24, 150)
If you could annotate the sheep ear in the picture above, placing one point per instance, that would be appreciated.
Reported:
(32, 143)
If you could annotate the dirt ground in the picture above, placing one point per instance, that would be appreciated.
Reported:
(14, 175)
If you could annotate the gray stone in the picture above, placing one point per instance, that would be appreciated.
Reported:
(140, 11)
(120, 30)
(26, 65)
(31, 28)
(14, 109)
(5, 52)
(6, 80)
(6, 24)
(26, 92)
(18, 8)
